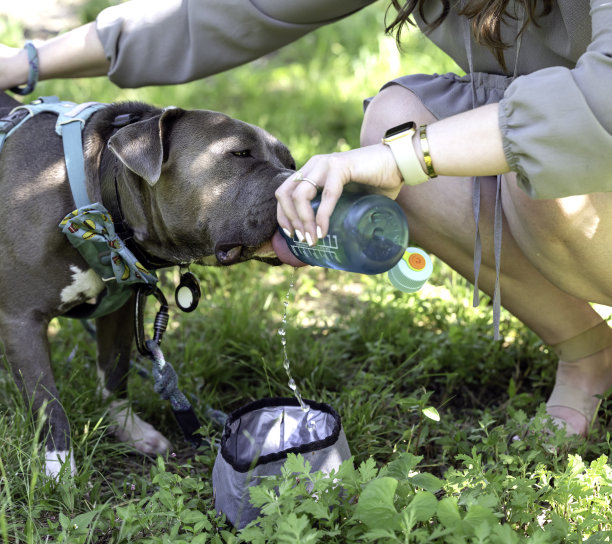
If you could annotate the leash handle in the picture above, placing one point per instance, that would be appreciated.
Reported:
(166, 385)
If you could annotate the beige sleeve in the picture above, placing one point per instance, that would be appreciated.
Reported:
(156, 42)
(557, 123)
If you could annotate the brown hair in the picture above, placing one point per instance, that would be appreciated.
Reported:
(486, 17)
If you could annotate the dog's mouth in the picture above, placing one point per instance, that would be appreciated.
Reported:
(228, 253)
(273, 251)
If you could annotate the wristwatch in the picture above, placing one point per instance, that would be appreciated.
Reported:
(399, 140)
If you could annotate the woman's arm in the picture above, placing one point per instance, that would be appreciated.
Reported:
(158, 42)
(467, 144)
(77, 53)
(557, 123)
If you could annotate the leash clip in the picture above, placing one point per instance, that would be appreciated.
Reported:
(161, 318)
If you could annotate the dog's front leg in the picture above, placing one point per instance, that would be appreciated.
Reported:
(27, 349)
(115, 333)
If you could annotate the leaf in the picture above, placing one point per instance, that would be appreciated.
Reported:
(368, 470)
(296, 464)
(64, 521)
(478, 515)
(423, 506)
(375, 535)
(448, 512)
(375, 507)
(191, 517)
(83, 521)
(296, 530)
(260, 496)
(431, 413)
(427, 481)
(401, 468)
(316, 509)
(511, 388)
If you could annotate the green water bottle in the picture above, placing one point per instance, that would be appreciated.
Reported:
(367, 234)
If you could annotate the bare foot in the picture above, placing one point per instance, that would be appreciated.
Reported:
(573, 402)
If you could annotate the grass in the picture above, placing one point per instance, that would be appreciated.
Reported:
(389, 364)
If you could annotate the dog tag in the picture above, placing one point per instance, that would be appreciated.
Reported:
(187, 294)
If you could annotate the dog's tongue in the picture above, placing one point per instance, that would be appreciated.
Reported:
(283, 252)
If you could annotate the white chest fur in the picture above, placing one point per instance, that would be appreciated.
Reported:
(85, 284)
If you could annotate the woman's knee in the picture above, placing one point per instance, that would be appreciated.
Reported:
(390, 107)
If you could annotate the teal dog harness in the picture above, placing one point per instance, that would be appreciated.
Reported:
(89, 228)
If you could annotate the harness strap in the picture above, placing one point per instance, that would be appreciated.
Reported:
(71, 119)
(70, 125)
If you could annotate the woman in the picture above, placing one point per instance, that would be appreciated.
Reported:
(532, 121)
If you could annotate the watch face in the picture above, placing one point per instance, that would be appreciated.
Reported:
(399, 129)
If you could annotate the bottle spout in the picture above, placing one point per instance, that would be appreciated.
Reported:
(279, 244)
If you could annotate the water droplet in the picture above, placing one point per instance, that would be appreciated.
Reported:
(292, 384)
(281, 332)
(284, 341)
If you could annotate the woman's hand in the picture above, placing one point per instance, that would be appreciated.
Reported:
(373, 165)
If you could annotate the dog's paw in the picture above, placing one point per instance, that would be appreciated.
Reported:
(54, 460)
(129, 428)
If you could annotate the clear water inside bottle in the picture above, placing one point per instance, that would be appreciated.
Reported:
(367, 234)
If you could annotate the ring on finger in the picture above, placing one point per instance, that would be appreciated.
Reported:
(311, 181)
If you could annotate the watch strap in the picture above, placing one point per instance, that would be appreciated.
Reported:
(405, 156)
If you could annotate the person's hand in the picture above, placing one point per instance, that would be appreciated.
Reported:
(373, 165)
(9, 67)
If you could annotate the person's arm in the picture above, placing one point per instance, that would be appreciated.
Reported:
(78, 53)
(158, 42)
(467, 144)
(553, 127)
(556, 123)
(174, 41)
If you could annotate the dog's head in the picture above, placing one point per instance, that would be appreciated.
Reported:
(198, 186)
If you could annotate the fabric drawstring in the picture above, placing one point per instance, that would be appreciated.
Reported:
(498, 217)
(476, 199)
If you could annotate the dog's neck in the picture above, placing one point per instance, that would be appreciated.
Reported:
(108, 175)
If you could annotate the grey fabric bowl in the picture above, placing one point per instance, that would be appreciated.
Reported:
(256, 441)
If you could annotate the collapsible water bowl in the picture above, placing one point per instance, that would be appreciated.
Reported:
(256, 441)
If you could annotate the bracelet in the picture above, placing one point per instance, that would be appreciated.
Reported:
(399, 140)
(431, 173)
(32, 72)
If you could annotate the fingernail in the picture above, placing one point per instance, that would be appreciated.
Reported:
(319, 232)
(287, 232)
(299, 235)
(309, 239)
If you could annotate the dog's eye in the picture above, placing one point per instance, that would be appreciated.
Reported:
(243, 153)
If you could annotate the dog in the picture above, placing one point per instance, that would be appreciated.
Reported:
(194, 186)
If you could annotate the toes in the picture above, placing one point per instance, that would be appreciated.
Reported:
(131, 429)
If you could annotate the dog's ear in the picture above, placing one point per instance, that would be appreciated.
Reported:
(143, 146)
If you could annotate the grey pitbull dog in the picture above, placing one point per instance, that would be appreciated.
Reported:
(195, 187)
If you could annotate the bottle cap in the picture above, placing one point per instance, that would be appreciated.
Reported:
(412, 271)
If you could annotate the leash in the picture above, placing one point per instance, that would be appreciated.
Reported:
(166, 378)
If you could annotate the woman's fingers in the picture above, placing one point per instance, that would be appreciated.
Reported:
(371, 165)
(287, 214)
